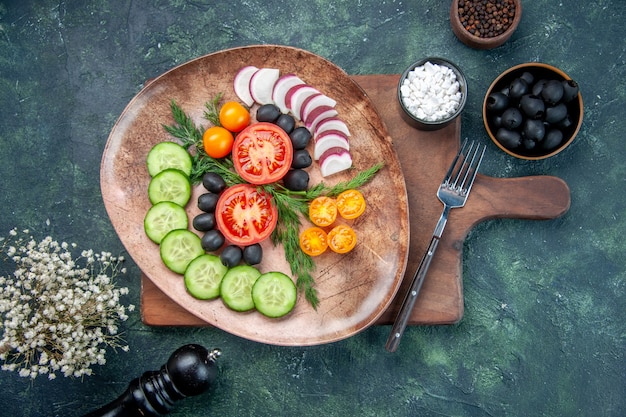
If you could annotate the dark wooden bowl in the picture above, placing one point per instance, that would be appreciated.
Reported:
(538, 70)
(474, 41)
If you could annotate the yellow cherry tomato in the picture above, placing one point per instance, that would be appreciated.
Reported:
(342, 239)
(217, 142)
(313, 241)
(234, 117)
(323, 211)
(350, 204)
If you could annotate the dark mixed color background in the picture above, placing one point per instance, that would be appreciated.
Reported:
(544, 330)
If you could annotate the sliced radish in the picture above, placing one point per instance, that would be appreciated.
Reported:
(315, 101)
(332, 123)
(329, 140)
(282, 86)
(298, 97)
(262, 85)
(317, 115)
(241, 84)
(291, 92)
(335, 160)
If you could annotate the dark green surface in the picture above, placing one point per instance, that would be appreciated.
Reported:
(543, 332)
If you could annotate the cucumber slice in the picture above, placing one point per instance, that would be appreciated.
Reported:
(165, 155)
(204, 275)
(236, 287)
(162, 218)
(170, 185)
(274, 294)
(178, 248)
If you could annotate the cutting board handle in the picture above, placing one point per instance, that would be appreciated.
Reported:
(534, 197)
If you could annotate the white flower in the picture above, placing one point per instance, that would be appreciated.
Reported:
(58, 316)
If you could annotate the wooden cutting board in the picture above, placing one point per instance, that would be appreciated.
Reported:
(424, 157)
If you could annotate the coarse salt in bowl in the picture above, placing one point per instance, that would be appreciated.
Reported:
(432, 93)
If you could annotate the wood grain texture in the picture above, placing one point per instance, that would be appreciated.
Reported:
(424, 157)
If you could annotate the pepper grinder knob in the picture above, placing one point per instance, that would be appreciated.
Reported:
(190, 371)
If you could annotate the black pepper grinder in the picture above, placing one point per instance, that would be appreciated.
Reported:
(190, 371)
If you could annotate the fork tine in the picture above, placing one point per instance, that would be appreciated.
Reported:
(463, 167)
(458, 156)
(472, 169)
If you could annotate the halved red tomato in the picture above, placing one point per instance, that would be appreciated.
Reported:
(262, 153)
(245, 215)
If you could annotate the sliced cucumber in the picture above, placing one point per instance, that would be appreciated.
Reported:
(236, 287)
(180, 247)
(162, 218)
(170, 185)
(165, 155)
(204, 275)
(274, 294)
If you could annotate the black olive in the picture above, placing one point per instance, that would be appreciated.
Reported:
(301, 159)
(204, 222)
(231, 255)
(497, 102)
(212, 240)
(532, 106)
(553, 138)
(286, 122)
(208, 201)
(253, 254)
(565, 123)
(518, 88)
(538, 86)
(552, 92)
(529, 144)
(296, 180)
(556, 113)
(213, 182)
(512, 118)
(300, 137)
(496, 121)
(533, 129)
(268, 113)
(528, 77)
(509, 138)
(570, 90)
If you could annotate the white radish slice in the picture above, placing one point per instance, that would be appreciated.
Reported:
(298, 97)
(334, 160)
(262, 85)
(241, 84)
(282, 86)
(332, 123)
(315, 101)
(327, 141)
(317, 115)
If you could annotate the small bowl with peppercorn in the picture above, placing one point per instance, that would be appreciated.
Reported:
(432, 92)
(533, 111)
(485, 24)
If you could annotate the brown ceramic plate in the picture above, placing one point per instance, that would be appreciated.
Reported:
(354, 289)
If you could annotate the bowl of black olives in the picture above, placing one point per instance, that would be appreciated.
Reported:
(533, 111)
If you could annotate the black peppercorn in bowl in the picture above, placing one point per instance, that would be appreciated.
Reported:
(432, 93)
(533, 111)
(485, 24)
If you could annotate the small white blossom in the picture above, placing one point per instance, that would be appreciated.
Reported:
(58, 316)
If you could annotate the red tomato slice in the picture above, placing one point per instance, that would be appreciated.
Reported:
(245, 215)
(262, 153)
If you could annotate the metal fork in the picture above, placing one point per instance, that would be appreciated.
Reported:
(453, 193)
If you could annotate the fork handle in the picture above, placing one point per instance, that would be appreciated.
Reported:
(399, 325)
